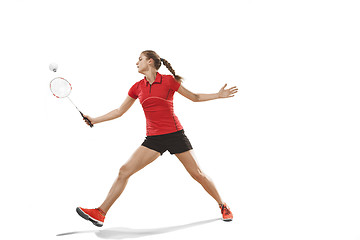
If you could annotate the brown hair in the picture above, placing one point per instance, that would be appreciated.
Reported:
(157, 62)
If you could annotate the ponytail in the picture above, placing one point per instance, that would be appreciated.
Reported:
(169, 67)
(157, 63)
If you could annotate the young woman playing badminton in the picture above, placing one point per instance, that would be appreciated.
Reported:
(164, 131)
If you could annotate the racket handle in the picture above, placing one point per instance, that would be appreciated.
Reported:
(86, 119)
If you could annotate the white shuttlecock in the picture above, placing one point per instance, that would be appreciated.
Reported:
(53, 67)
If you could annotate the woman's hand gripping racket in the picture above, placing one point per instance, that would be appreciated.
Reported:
(61, 88)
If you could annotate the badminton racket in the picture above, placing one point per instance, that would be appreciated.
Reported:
(61, 88)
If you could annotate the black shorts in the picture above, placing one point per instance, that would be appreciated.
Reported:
(175, 142)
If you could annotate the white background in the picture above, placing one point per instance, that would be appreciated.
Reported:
(283, 153)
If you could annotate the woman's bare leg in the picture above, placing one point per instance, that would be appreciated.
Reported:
(141, 157)
(190, 164)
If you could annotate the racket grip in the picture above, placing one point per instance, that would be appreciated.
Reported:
(86, 119)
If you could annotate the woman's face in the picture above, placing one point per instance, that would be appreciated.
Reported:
(143, 64)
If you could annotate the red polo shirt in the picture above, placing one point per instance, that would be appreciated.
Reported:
(156, 100)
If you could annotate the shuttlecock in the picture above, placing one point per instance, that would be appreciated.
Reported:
(53, 67)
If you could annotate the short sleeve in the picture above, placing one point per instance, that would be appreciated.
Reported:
(174, 85)
(133, 92)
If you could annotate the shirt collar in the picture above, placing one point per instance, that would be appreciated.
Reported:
(158, 79)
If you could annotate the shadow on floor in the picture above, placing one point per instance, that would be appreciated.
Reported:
(123, 233)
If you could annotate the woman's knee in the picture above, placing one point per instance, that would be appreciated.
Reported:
(199, 176)
(124, 172)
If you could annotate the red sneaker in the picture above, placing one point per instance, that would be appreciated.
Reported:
(226, 213)
(96, 216)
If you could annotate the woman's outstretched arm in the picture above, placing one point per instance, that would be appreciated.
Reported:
(128, 102)
(200, 97)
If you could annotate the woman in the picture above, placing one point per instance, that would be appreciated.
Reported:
(164, 131)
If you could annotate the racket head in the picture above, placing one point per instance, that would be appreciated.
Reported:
(60, 87)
